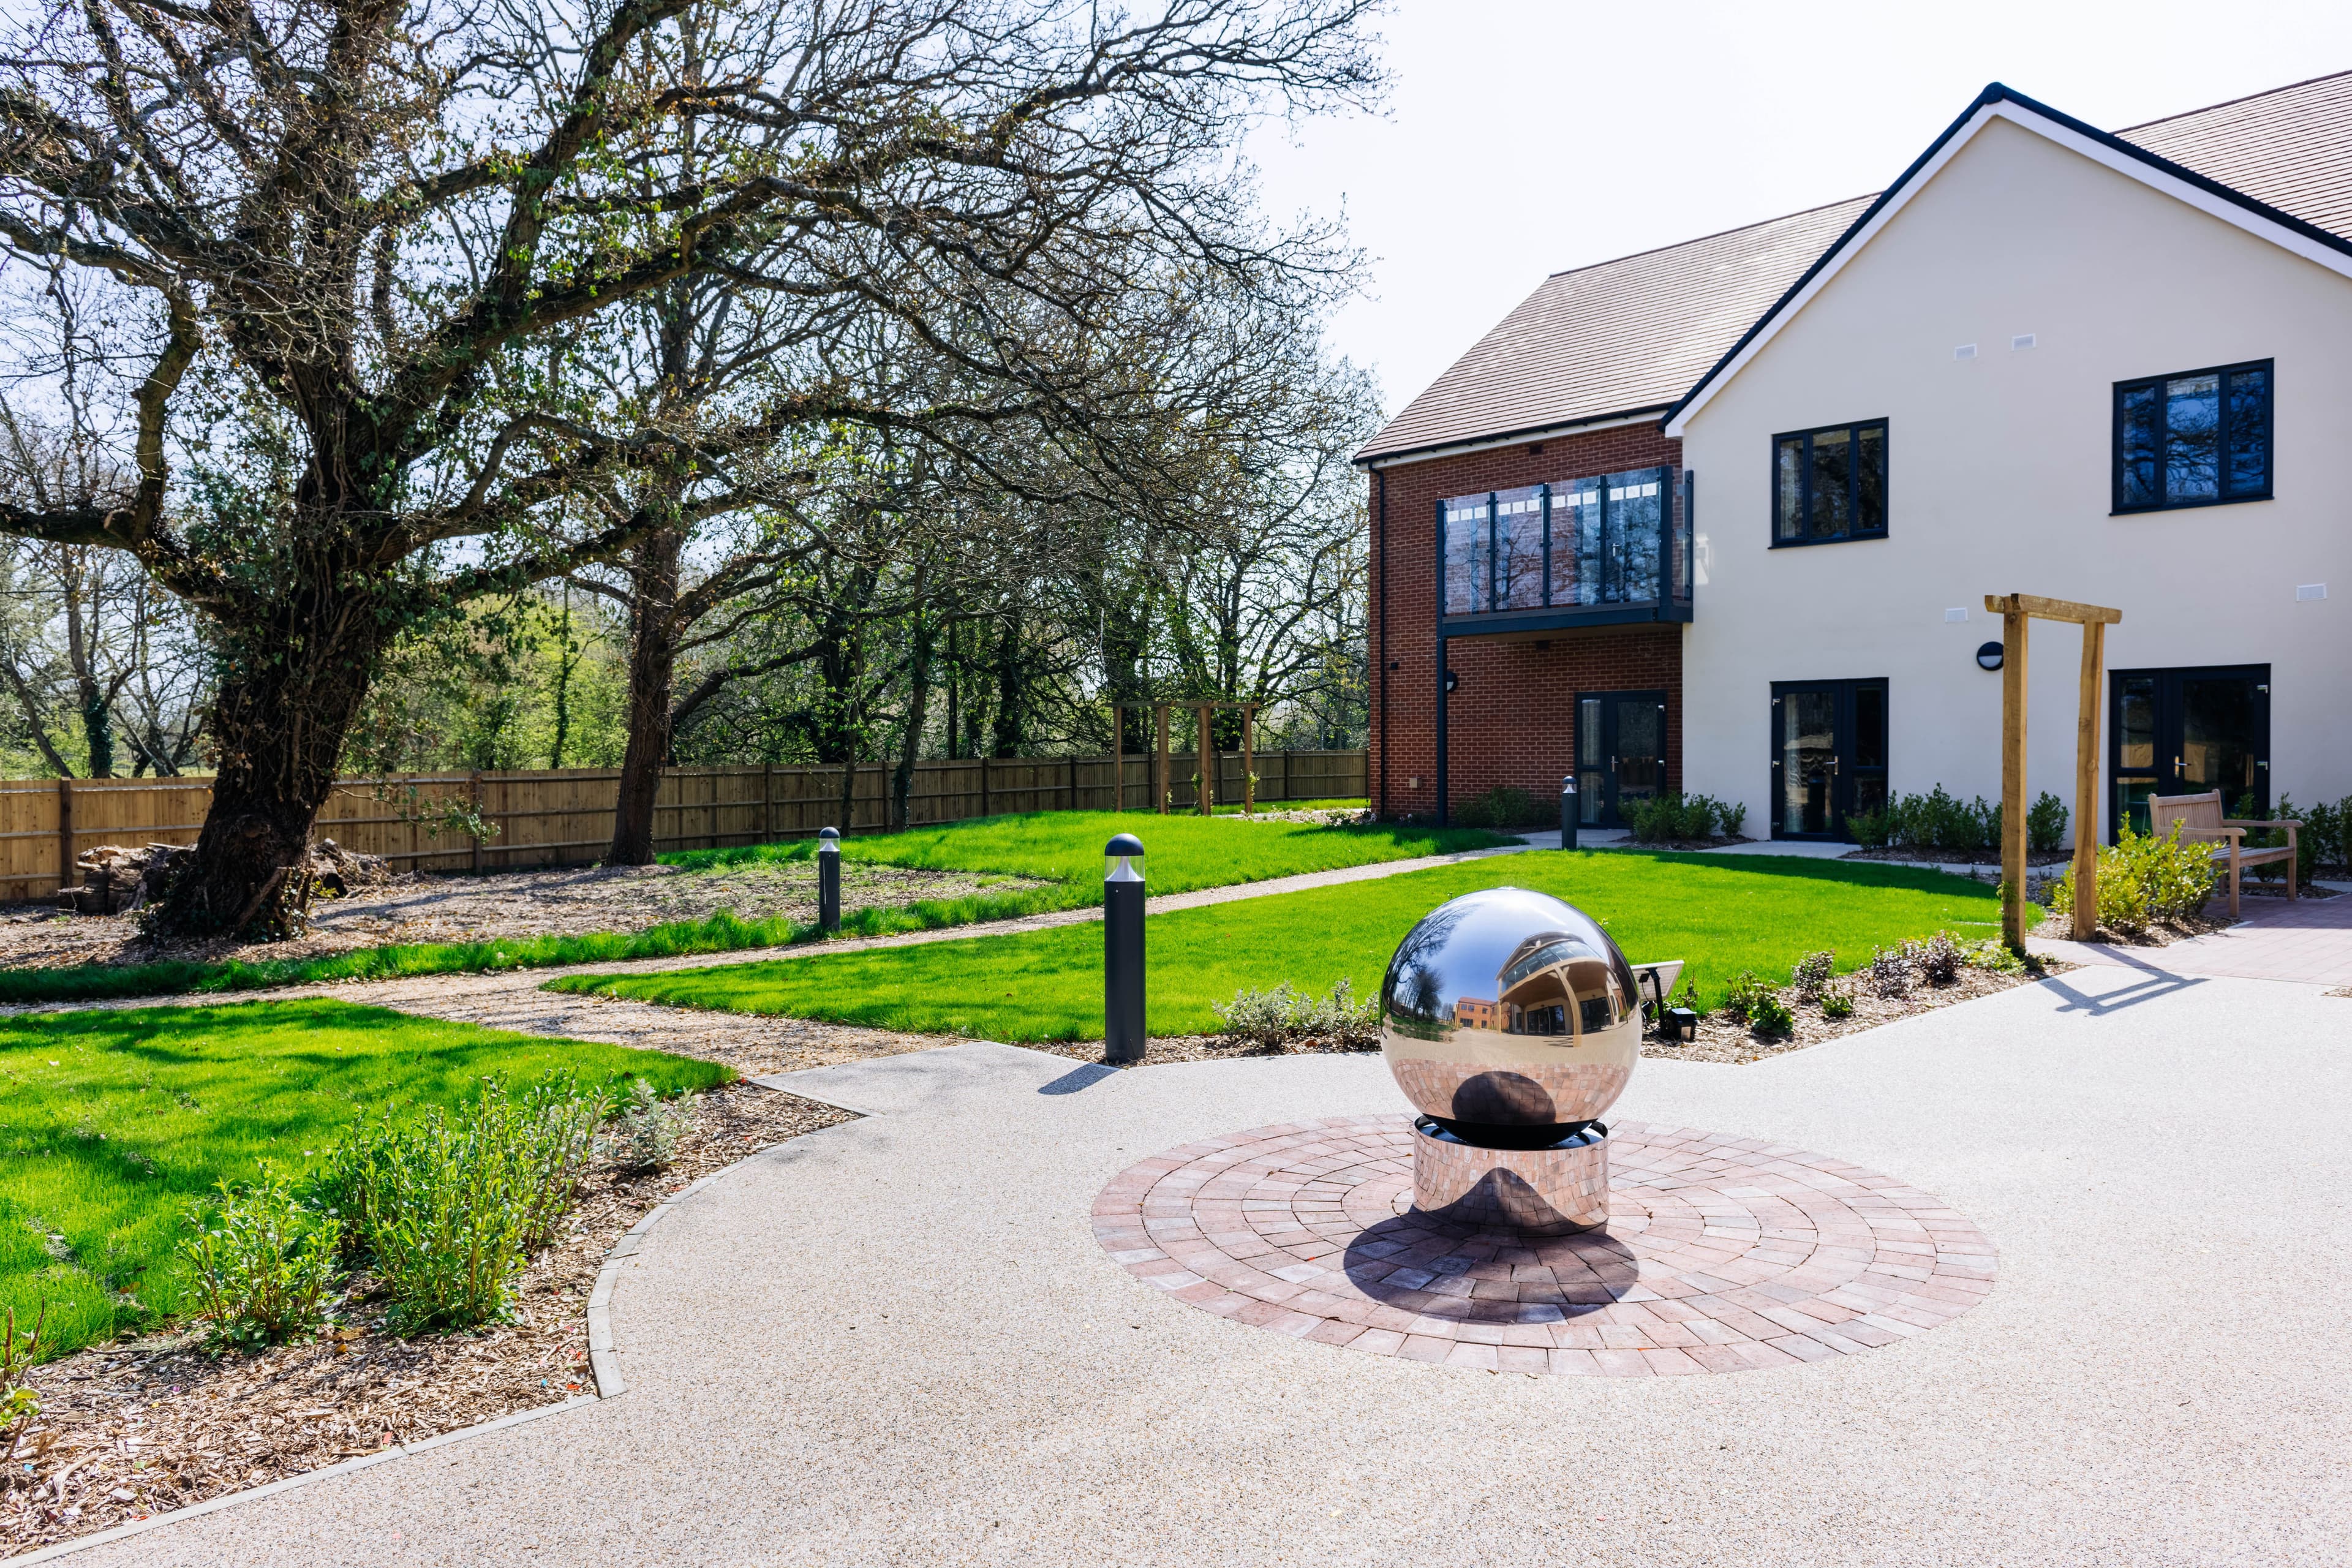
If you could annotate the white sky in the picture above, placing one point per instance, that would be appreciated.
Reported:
(1525, 136)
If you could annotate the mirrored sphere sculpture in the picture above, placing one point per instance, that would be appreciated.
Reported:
(1512, 1023)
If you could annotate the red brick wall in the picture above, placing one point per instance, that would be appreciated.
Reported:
(1512, 718)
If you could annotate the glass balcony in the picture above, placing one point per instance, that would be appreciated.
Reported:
(1604, 551)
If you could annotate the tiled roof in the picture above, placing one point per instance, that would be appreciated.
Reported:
(2291, 147)
(1637, 333)
(1616, 337)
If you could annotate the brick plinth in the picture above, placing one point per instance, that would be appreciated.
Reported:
(1719, 1254)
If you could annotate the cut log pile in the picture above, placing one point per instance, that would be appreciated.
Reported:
(117, 878)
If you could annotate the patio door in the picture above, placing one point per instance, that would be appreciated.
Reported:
(2184, 732)
(1829, 755)
(1621, 752)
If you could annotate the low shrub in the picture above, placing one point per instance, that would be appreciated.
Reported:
(1767, 1015)
(1666, 818)
(1812, 975)
(1748, 992)
(1837, 1001)
(648, 1132)
(2324, 837)
(1941, 820)
(263, 1263)
(2045, 823)
(448, 1207)
(18, 1402)
(1502, 806)
(2144, 878)
(1891, 971)
(1284, 1015)
(1939, 957)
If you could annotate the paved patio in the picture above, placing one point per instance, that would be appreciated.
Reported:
(898, 1341)
(2307, 941)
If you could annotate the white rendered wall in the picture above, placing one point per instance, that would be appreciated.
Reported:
(2000, 479)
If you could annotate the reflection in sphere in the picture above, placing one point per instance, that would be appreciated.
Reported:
(1510, 1017)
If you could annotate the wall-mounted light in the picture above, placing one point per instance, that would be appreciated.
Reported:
(1451, 680)
(1988, 655)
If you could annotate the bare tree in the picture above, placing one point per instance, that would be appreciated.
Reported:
(356, 241)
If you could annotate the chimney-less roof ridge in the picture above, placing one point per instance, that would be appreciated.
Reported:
(2232, 102)
(1718, 234)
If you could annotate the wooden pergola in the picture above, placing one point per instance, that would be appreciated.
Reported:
(2015, 610)
(1206, 795)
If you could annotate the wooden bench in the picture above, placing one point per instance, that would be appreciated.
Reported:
(2200, 816)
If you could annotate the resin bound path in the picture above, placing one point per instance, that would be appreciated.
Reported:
(899, 1339)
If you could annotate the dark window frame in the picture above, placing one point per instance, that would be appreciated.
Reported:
(2118, 507)
(1853, 430)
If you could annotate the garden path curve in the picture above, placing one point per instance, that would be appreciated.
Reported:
(898, 1340)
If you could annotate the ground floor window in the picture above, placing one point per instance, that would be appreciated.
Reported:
(1829, 755)
(1621, 752)
(2185, 732)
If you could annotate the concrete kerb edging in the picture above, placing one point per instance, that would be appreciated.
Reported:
(603, 1360)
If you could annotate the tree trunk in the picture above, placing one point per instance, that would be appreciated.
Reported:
(1010, 687)
(918, 701)
(279, 721)
(653, 662)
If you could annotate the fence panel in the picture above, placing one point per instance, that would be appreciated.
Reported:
(563, 817)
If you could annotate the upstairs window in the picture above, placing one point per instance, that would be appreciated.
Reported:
(1829, 484)
(1597, 541)
(2198, 438)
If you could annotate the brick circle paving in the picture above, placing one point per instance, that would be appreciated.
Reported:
(1721, 1253)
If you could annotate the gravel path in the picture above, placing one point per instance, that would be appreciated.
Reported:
(568, 901)
(896, 1341)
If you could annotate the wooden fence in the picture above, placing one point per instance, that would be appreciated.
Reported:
(552, 818)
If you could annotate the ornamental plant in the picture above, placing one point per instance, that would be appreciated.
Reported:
(2143, 878)
(263, 1263)
(449, 1206)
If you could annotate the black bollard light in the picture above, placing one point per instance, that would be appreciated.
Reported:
(1123, 950)
(1568, 812)
(828, 880)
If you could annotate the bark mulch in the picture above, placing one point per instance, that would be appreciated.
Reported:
(574, 900)
(146, 1426)
(1721, 1039)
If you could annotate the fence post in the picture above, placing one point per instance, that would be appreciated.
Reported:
(475, 786)
(1073, 783)
(1160, 764)
(65, 833)
(1118, 758)
(983, 785)
(1204, 757)
(1249, 759)
(1288, 794)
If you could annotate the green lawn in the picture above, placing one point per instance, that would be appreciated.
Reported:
(1180, 852)
(1064, 847)
(1721, 913)
(112, 1124)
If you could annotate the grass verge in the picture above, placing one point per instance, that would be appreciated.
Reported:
(114, 1123)
(1720, 913)
(1066, 846)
